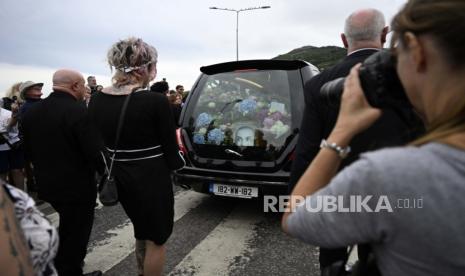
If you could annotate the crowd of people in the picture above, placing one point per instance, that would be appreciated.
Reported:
(176, 97)
(53, 148)
(17, 170)
(58, 144)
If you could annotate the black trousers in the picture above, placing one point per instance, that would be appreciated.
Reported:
(329, 256)
(76, 221)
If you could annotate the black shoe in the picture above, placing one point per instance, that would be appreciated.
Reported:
(336, 268)
(94, 273)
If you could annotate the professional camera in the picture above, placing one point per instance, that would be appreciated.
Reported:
(379, 81)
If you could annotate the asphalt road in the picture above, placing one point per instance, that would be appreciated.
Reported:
(212, 236)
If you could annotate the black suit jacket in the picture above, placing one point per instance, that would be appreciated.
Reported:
(63, 147)
(391, 129)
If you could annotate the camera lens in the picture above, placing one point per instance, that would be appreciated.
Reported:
(331, 92)
(379, 81)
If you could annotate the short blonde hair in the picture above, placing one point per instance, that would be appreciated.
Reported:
(133, 59)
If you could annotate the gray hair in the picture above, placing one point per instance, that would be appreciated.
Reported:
(368, 28)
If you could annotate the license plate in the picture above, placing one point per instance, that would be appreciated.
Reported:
(234, 191)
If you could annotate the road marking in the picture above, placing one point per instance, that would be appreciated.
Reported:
(225, 249)
(120, 244)
(185, 201)
(353, 257)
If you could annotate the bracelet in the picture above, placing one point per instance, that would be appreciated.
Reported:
(342, 152)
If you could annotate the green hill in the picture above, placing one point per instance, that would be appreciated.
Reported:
(321, 57)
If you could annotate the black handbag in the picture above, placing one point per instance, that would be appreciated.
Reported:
(108, 192)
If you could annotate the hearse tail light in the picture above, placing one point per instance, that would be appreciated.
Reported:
(181, 146)
(291, 156)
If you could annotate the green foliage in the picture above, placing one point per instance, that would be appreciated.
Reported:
(321, 57)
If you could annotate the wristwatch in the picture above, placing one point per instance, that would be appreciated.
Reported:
(342, 152)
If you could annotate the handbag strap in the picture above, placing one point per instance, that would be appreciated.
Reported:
(118, 130)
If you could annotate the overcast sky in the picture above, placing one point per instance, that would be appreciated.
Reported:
(38, 37)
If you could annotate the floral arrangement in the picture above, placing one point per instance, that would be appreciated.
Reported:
(247, 106)
(199, 138)
(274, 124)
(204, 119)
(279, 129)
(222, 111)
(215, 136)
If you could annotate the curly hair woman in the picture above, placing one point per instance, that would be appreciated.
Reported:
(147, 151)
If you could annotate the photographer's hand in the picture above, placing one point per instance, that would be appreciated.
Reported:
(14, 107)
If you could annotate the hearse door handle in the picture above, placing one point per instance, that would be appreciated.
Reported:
(233, 152)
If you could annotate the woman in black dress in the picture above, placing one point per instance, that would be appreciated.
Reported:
(147, 151)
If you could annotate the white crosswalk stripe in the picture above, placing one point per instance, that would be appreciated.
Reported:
(109, 252)
(213, 236)
(218, 253)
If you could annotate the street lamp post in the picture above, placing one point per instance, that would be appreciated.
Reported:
(237, 21)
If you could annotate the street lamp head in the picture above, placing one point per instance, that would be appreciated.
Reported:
(237, 21)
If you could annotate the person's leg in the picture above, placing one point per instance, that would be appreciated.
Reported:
(154, 259)
(140, 256)
(16, 160)
(76, 221)
(30, 181)
(4, 165)
(18, 178)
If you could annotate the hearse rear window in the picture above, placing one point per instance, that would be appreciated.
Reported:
(249, 108)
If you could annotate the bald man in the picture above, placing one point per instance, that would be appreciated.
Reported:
(65, 151)
(364, 34)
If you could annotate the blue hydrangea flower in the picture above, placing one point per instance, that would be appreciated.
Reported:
(247, 106)
(216, 136)
(199, 139)
(204, 119)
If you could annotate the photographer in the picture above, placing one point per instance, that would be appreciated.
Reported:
(364, 35)
(412, 241)
(12, 96)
